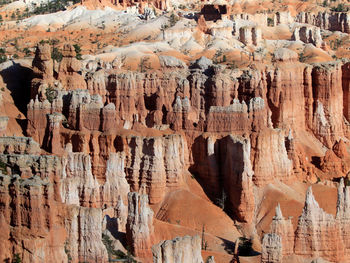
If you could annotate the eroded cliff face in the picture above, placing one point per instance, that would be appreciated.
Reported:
(139, 226)
(318, 234)
(47, 215)
(271, 249)
(313, 226)
(260, 103)
(112, 131)
(29, 215)
(30, 209)
(180, 249)
(84, 232)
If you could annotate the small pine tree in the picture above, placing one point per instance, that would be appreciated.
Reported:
(56, 54)
(77, 51)
(16, 258)
(3, 56)
(224, 58)
(26, 52)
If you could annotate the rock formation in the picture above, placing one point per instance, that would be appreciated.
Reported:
(334, 21)
(271, 249)
(68, 72)
(226, 105)
(250, 35)
(84, 228)
(237, 171)
(155, 163)
(3, 125)
(284, 229)
(342, 216)
(139, 227)
(314, 224)
(180, 249)
(317, 234)
(43, 71)
(38, 214)
(29, 214)
(308, 35)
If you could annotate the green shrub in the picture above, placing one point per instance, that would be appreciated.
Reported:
(26, 52)
(3, 56)
(270, 21)
(51, 94)
(3, 167)
(77, 51)
(16, 258)
(56, 54)
(116, 254)
(339, 8)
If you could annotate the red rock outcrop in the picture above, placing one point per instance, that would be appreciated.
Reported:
(42, 225)
(29, 214)
(343, 214)
(154, 164)
(335, 21)
(237, 176)
(42, 70)
(284, 229)
(237, 130)
(84, 228)
(270, 157)
(139, 227)
(318, 233)
(80, 187)
(271, 249)
(68, 71)
(327, 92)
(180, 249)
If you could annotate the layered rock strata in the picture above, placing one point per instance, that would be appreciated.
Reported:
(139, 226)
(318, 234)
(180, 249)
(48, 209)
(271, 249)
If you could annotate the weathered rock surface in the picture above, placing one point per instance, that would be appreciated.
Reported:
(318, 233)
(43, 224)
(68, 71)
(19, 145)
(84, 228)
(139, 227)
(237, 174)
(271, 249)
(178, 250)
(335, 21)
(284, 229)
(29, 219)
(308, 34)
(236, 128)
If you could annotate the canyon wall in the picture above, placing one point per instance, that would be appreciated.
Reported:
(103, 138)
(318, 234)
(180, 249)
